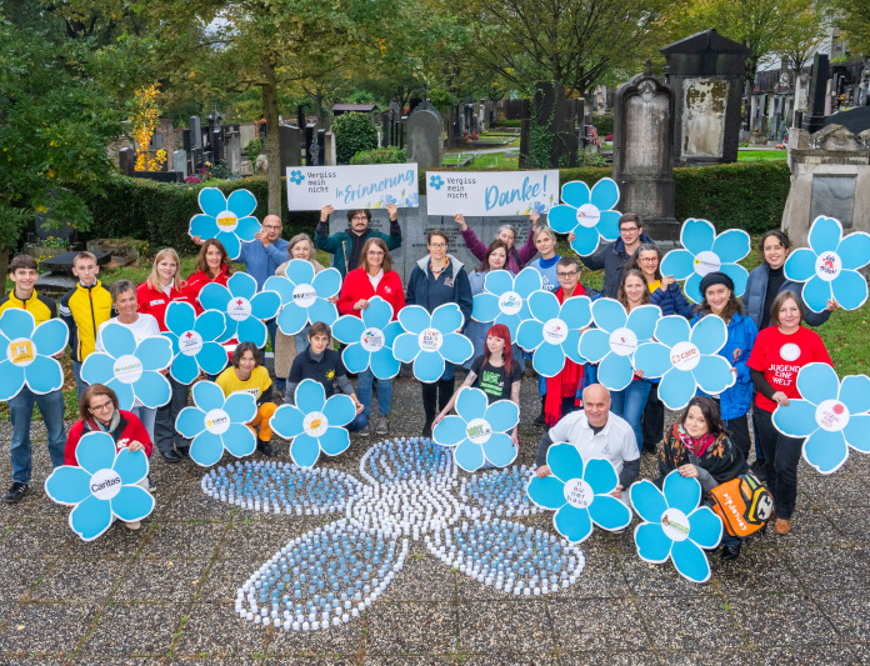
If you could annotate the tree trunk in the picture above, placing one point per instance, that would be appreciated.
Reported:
(273, 154)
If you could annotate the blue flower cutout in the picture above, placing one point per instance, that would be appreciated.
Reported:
(436, 182)
(479, 430)
(616, 339)
(102, 486)
(504, 299)
(314, 423)
(304, 295)
(194, 341)
(216, 423)
(830, 266)
(431, 339)
(831, 415)
(589, 214)
(539, 207)
(296, 177)
(705, 252)
(131, 370)
(686, 358)
(27, 351)
(245, 309)
(579, 492)
(553, 332)
(369, 339)
(230, 220)
(675, 526)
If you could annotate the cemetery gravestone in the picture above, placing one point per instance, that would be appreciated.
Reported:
(814, 119)
(289, 147)
(424, 138)
(179, 162)
(126, 161)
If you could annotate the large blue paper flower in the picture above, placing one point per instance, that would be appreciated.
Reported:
(675, 526)
(102, 486)
(304, 295)
(705, 252)
(245, 309)
(314, 423)
(27, 351)
(686, 358)
(216, 423)
(431, 339)
(131, 370)
(553, 332)
(369, 339)
(616, 339)
(831, 415)
(579, 492)
(830, 266)
(504, 299)
(479, 430)
(229, 220)
(194, 341)
(589, 214)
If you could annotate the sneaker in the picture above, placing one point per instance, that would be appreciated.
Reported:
(266, 449)
(383, 426)
(151, 486)
(135, 525)
(15, 493)
(364, 431)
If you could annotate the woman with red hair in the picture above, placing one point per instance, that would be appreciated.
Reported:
(495, 372)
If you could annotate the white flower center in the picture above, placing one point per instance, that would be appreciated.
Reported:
(675, 524)
(217, 421)
(578, 493)
(623, 341)
(707, 262)
(430, 340)
(315, 424)
(588, 215)
(828, 266)
(510, 302)
(555, 331)
(127, 369)
(832, 415)
(304, 295)
(239, 309)
(190, 343)
(105, 484)
(685, 356)
(478, 431)
(227, 221)
(372, 339)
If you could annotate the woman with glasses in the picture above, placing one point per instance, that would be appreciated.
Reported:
(507, 234)
(664, 290)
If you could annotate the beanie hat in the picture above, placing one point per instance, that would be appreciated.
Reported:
(716, 277)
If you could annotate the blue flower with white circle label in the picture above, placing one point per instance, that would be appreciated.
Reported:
(194, 341)
(369, 339)
(612, 345)
(479, 431)
(131, 370)
(553, 332)
(675, 526)
(314, 423)
(829, 267)
(305, 295)
(587, 213)
(706, 252)
(830, 414)
(504, 299)
(229, 220)
(27, 351)
(686, 359)
(244, 308)
(579, 492)
(102, 487)
(216, 423)
(431, 340)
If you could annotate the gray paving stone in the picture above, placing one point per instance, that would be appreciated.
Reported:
(779, 620)
(38, 628)
(134, 629)
(216, 630)
(411, 628)
(79, 581)
(593, 625)
(163, 581)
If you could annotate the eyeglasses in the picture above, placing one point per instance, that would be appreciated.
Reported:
(272, 226)
(360, 218)
(101, 408)
(649, 259)
(559, 274)
(375, 252)
(437, 244)
(623, 230)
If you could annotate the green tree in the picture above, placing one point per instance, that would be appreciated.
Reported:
(853, 18)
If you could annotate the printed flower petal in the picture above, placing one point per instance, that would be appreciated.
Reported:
(447, 317)
(287, 421)
(575, 193)
(406, 347)
(713, 374)
(594, 344)
(247, 229)
(456, 348)
(608, 224)
(816, 293)
(131, 466)
(697, 236)
(132, 503)
(857, 432)
(378, 314)
(334, 441)
(800, 265)
(125, 394)
(576, 312)
(43, 375)
(679, 263)
(548, 360)
(601, 476)
(608, 314)
(327, 282)
(565, 462)
(414, 319)
(825, 234)
(242, 285)
(705, 528)
(547, 492)
(68, 484)
(692, 287)
(450, 431)
(428, 366)
(609, 513)
(653, 358)
(118, 340)
(527, 282)
(855, 393)
(605, 194)
(653, 545)
(647, 501)
(498, 282)
(854, 250)
(485, 307)
(681, 492)
(90, 518)
(355, 358)
(797, 419)
(231, 244)
(214, 296)
(265, 304)
(204, 226)
(155, 353)
(384, 365)
(739, 275)
(206, 449)
(299, 271)
(673, 329)
(348, 329)
(212, 358)
(690, 561)
(850, 290)
(208, 395)
(17, 323)
(212, 201)
(826, 451)
(642, 320)
(731, 245)
(530, 334)
(499, 449)
(95, 451)
(615, 372)
(240, 407)
(503, 414)
(190, 422)
(50, 337)
(573, 523)
(239, 440)
(586, 241)
(818, 382)
(562, 218)
(152, 389)
(310, 396)
(339, 410)
(181, 317)
(13, 379)
(471, 403)
(305, 450)
(677, 388)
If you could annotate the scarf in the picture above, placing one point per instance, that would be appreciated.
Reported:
(95, 426)
(697, 447)
(566, 383)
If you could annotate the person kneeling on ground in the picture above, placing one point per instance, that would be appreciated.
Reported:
(248, 375)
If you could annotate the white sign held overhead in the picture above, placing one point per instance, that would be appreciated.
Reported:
(351, 187)
(476, 194)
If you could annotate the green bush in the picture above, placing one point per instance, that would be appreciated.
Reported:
(604, 125)
(353, 132)
(253, 150)
(389, 155)
(516, 122)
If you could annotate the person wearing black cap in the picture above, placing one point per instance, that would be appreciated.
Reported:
(734, 403)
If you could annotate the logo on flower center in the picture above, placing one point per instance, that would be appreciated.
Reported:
(127, 369)
(555, 331)
(675, 525)
(315, 424)
(510, 302)
(372, 339)
(105, 484)
(685, 356)
(707, 262)
(828, 266)
(190, 343)
(304, 295)
(790, 352)
(478, 431)
(623, 341)
(217, 421)
(239, 309)
(832, 415)
(21, 352)
(227, 221)
(430, 340)
(588, 215)
(578, 493)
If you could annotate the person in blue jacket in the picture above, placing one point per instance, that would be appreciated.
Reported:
(438, 278)
(734, 403)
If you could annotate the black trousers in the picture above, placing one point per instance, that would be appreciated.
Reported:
(781, 457)
(435, 398)
(164, 424)
(653, 423)
(739, 429)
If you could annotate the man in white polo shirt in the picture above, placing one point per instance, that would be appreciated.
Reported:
(596, 433)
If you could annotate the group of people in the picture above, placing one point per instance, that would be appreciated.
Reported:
(766, 346)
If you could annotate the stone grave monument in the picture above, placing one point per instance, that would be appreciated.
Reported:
(424, 138)
(289, 147)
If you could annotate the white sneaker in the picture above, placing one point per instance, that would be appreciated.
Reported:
(133, 526)
(382, 427)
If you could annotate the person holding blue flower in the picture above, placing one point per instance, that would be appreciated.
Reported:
(495, 260)
(613, 255)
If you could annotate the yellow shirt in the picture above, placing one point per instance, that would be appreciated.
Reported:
(655, 284)
(256, 384)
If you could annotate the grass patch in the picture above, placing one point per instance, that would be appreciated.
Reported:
(500, 161)
(761, 155)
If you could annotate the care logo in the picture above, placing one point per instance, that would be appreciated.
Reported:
(675, 525)
(478, 431)
(828, 265)
(227, 221)
(304, 295)
(685, 356)
(190, 343)
(510, 302)
(315, 424)
(832, 415)
(217, 421)
(578, 493)
(555, 331)
(127, 369)
(588, 215)
(239, 309)
(707, 262)
(105, 484)
(623, 342)
(372, 339)
(21, 352)
(430, 340)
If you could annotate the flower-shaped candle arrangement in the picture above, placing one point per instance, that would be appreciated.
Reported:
(369, 339)
(505, 298)
(304, 295)
(431, 340)
(194, 341)
(553, 332)
(27, 351)
(228, 219)
(244, 308)
(588, 214)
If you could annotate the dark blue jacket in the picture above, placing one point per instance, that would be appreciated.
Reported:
(452, 286)
(756, 290)
(611, 257)
(672, 301)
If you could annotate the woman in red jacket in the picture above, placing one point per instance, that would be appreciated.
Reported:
(99, 413)
(374, 277)
(213, 264)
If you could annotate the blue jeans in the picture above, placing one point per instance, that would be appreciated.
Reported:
(77, 375)
(629, 403)
(272, 328)
(164, 422)
(364, 393)
(20, 413)
(359, 422)
(148, 417)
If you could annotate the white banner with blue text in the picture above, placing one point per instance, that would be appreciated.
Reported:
(352, 187)
(503, 193)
